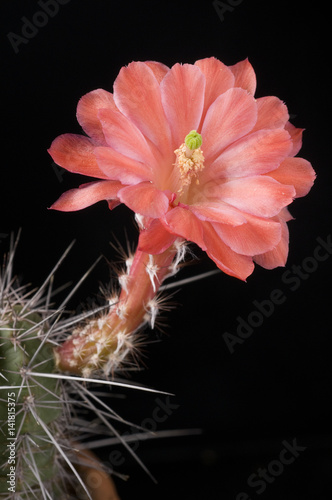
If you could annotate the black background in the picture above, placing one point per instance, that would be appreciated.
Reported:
(276, 386)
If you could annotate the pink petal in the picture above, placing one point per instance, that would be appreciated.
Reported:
(255, 237)
(297, 172)
(217, 212)
(296, 136)
(230, 117)
(182, 93)
(232, 263)
(258, 195)
(137, 95)
(272, 113)
(183, 223)
(159, 69)
(156, 239)
(285, 215)
(145, 199)
(121, 168)
(123, 136)
(86, 195)
(257, 153)
(87, 112)
(75, 154)
(278, 256)
(219, 78)
(244, 76)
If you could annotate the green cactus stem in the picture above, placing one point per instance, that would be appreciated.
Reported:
(21, 349)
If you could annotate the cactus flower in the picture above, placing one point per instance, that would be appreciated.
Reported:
(227, 191)
(197, 158)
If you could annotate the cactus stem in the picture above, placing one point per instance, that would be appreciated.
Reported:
(59, 448)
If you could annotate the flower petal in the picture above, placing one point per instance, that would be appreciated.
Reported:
(244, 76)
(218, 77)
(230, 262)
(278, 256)
(75, 154)
(159, 69)
(121, 168)
(272, 113)
(218, 212)
(253, 195)
(257, 153)
(257, 236)
(87, 112)
(155, 239)
(123, 136)
(182, 222)
(230, 117)
(296, 136)
(182, 94)
(137, 95)
(285, 215)
(86, 195)
(145, 199)
(297, 172)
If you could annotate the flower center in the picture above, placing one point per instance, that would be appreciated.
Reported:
(189, 160)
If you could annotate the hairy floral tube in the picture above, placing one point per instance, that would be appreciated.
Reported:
(107, 342)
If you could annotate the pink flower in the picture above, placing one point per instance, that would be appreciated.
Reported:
(228, 196)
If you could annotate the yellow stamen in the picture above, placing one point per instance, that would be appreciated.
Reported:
(189, 166)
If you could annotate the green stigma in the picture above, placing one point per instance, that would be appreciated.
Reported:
(193, 140)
